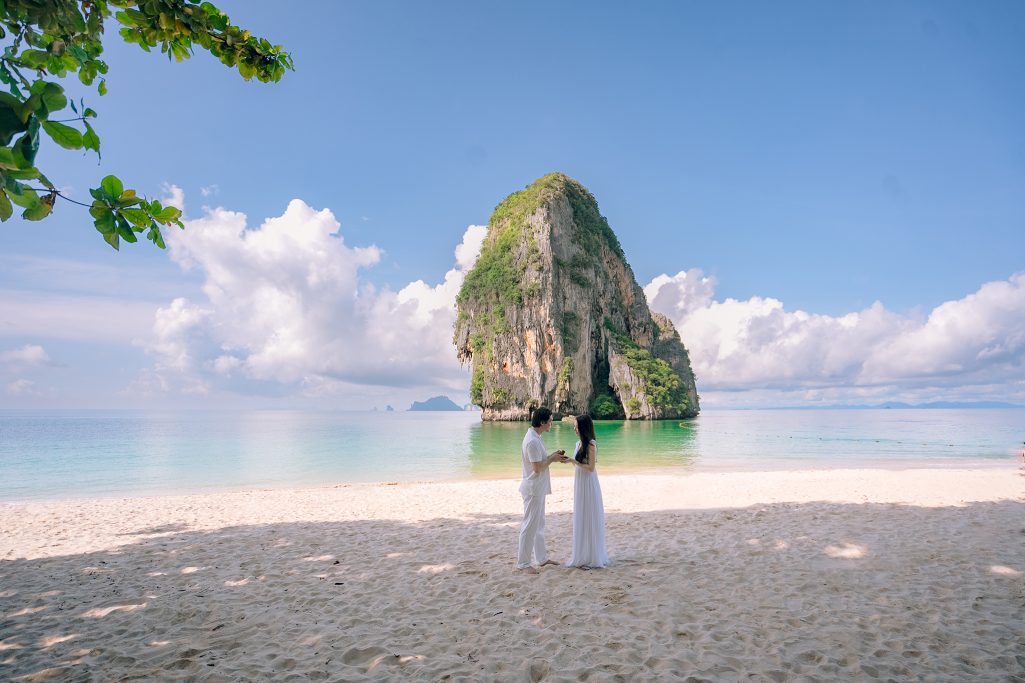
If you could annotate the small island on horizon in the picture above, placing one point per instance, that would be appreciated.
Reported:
(436, 403)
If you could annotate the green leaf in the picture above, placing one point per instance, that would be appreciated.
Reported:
(113, 186)
(5, 206)
(168, 214)
(98, 210)
(155, 237)
(78, 53)
(53, 97)
(37, 212)
(90, 140)
(247, 70)
(103, 220)
(87, 73)
(10, 119)
(89, 113)
(102, 88)
(125, 231)
(139, 218)
(22, 195)
(7, 159)
(65, 136)
(30, 173)
(28, 144)
(112, 239)
(34, 58)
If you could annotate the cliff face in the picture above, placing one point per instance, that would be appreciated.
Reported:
(551, 315)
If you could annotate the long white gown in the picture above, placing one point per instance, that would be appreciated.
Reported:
(588, 520)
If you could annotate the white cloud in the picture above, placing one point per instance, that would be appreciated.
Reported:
(27, 357)
(759, 347)
(286, 306)
(22, 387)
(210, 190)
(173, 196)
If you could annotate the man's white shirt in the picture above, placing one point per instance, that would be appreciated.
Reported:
(533, 450)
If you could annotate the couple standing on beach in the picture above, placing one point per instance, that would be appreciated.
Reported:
(588, 510)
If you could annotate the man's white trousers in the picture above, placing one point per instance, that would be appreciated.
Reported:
(532, 532)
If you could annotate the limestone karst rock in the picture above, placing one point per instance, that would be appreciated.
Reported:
(551, 315)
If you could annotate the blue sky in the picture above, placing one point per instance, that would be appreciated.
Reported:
(785, 166)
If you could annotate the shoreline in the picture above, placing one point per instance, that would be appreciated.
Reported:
(778, 575)
(768, 465)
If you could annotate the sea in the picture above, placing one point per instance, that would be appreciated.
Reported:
(49, 455)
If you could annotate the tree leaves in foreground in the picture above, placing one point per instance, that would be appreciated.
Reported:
(53, 39)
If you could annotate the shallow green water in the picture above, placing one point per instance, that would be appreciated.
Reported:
(101, 453)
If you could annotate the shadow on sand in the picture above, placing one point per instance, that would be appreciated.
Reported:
(775, 592)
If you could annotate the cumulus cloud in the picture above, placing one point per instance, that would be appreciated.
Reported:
(173, 196)
(759, 346)
(25, 358)
(287, 306)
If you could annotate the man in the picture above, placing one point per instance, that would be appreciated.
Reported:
(536, 485)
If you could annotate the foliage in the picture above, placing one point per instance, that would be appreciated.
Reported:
(565, 370)
(605, 407)
(477, 383)
(662, 386)
(56, 38)
(593, 226)
(579, 278)
(570, 331)
(633, 406)
(496, 276)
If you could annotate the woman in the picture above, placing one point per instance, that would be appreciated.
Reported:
(588, 509)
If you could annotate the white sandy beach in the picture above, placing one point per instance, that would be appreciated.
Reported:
(814, 575)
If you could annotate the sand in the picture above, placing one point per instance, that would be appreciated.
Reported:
(776, 576)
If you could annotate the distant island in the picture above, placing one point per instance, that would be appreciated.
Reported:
(436, 403)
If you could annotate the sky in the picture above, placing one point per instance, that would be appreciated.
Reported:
(828, 200)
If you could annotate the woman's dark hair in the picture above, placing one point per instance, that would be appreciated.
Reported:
(540, 416)
(585, 427)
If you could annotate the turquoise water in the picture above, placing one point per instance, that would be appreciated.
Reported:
(46, 455)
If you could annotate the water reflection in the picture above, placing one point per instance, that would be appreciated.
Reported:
(495, 446)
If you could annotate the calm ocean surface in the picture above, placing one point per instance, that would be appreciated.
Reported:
(52, 454)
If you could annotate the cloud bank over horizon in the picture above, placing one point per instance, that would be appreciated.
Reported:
(287, 309)
(757, 351)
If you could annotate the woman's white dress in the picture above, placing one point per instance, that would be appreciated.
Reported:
(588, 520)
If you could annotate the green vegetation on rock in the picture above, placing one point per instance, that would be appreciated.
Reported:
(605, 407)
(663, 387)
(562, 384)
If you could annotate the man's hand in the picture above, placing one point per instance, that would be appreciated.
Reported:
(559, 455)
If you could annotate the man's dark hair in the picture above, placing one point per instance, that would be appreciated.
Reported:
(540, 416)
